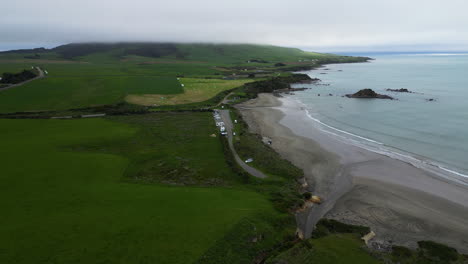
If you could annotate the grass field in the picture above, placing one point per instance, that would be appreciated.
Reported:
(76, 202)
(109, 74)
(332, 249)
(61, 93)
(195, 90)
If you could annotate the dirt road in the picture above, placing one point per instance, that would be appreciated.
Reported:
(228, 124)
(41, 75)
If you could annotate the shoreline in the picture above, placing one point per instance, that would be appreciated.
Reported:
(401, 203)
(441, 168)
(418, 161)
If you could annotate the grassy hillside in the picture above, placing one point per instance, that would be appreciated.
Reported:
(81, 75)
(224, 53)
(84, 195)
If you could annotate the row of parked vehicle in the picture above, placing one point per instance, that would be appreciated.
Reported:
(219, 122)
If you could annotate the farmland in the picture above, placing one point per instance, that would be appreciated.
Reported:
(153, 182)
(195, 90)
(81, 199)
(84, 75)
(61, 93)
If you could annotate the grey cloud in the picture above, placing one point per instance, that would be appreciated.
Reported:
(319, 25)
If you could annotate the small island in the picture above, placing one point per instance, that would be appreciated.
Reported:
(368, 93)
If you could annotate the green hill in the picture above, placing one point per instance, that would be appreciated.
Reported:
(226, 53)
(92, 74)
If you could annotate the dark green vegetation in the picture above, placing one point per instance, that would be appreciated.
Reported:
(335, 242)
(330, 226)
(428, 252)
(332, 249)
(14, 78)
(283, 183)
(273, 84)
(332, 242)
(195, 156)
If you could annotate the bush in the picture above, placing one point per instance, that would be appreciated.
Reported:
(401, 252)
(14, 78)
(286, 197)
(436, 251)
(320, 231)
(307, 195)
(334, 226)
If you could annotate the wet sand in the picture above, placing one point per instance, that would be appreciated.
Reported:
(401, 203)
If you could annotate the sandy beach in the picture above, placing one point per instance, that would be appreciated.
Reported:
(401, 203)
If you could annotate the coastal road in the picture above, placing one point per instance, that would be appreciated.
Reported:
(226, 118)
(41, 75)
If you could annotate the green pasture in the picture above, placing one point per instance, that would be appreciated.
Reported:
(331, 249)
(108, 76)
(73, 191)
(61, 93)
(194, 90)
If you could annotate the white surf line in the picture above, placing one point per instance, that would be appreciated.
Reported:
(408, 158)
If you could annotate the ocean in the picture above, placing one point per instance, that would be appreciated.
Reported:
(433, 133)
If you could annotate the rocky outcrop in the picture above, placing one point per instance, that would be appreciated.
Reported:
(310, 81)
(401, 90)
(368, 93)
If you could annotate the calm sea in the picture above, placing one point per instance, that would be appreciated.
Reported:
(433, 132)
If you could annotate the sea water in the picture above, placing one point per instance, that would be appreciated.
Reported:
(431, 132)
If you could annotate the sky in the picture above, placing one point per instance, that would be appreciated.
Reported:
(319, 25)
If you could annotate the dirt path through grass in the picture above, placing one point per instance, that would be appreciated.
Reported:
(41, 75)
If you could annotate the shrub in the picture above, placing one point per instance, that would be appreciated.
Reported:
(320, 231)
(436, 251)
(17, 77)
(401, 252)
(307, 195)
(334, 226)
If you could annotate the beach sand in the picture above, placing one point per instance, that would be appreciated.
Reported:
(401, 203)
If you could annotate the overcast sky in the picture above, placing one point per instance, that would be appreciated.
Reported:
(322, 25)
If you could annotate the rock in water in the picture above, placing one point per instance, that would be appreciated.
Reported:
(368, 93)
(402, 90)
